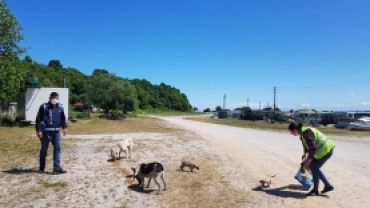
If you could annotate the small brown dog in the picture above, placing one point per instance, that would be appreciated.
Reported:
(188, 164)
(266, 183)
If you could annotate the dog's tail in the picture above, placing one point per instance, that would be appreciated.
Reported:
(134, 172)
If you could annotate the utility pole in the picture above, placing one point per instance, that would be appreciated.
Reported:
(274, 98)
(64, 78)
(260, 105)
(247, 102)
(224, 107)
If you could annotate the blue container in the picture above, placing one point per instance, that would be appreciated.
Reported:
(304, 179)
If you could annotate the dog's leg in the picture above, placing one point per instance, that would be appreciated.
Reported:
(141, 181)
(150, 178)
(126, 153)
(164, 183)
(156, 181)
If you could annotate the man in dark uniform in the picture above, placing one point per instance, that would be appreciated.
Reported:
(50, 119)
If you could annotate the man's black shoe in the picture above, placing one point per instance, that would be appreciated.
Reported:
(312, 193)
(327, 189)
(41, 171)
(59, 171)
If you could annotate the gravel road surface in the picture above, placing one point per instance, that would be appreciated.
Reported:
(259, 154)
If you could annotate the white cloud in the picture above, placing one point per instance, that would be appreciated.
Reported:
(365, 103)
(306, 105)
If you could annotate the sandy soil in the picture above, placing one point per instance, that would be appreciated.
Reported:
(231, 161)
(263, 153)
(94, 181)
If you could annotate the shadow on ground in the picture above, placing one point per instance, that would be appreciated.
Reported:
(284, 191)
(119, 158)
(18, 171)
(136, 188)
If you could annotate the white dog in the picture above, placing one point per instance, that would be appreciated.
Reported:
(125, 145)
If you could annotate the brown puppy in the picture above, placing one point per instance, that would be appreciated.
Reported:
(265, 183)
(188, 164)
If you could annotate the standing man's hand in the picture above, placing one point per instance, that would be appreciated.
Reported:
(304, 156)
(39, 134)
(64, 132)
(307, 163)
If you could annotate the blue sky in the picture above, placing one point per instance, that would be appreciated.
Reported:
(317, 53)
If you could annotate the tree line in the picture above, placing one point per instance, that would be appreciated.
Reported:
(102, 88)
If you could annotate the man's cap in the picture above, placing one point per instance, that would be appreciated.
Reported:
(54, 94)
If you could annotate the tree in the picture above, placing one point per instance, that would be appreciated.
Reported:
(207, 110)
(55, 64)
(218, 108)
(244, 109)
(195, 109)
(109, 92)
(11, 72)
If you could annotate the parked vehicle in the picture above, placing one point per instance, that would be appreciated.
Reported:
(345, 118)
(362, 123)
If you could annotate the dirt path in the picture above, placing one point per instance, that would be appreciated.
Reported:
(257, 154)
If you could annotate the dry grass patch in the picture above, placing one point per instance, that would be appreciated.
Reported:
(210, 186)
(275, 127)
(203, 188)
(128, 125)
(18, 147)
(46, 184)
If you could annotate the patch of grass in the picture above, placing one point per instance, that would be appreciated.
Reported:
(18, 146)
(275, 127)
(128, 125)
(166, 112)
(202, 188)
(53, 185)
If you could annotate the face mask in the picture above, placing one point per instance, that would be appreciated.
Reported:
(54, 101)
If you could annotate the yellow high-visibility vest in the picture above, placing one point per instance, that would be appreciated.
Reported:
(322, 143)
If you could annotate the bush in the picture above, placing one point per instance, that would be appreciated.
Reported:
(83, 115)
(131, 115)
(6, 121)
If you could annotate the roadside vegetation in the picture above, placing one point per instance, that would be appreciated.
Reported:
(263, 125)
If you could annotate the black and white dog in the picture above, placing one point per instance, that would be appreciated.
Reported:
(150, 170)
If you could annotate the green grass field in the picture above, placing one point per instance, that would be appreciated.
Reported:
(275, 127)
(165, 112)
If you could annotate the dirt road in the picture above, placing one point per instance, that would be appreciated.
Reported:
(259, 154)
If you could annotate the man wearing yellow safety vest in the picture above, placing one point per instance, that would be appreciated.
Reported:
(317, 149)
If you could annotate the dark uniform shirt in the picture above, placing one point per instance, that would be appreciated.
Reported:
(40, 116)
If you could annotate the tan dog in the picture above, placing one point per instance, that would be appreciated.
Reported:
(115, 152)
(188, 164)
(126, 145)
